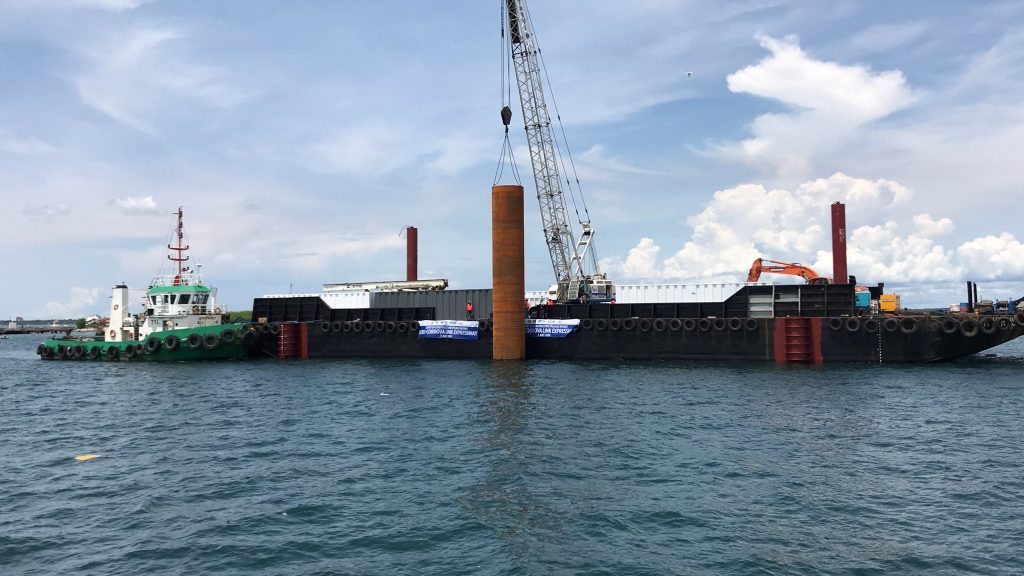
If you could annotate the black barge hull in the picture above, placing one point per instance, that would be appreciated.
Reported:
(806, 324)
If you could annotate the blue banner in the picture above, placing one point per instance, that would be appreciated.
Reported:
(551, 328)
(450, 329)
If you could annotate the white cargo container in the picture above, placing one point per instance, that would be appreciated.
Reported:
(670, 293)
(336, 300)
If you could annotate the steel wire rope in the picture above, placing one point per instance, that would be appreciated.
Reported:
(561, 127)
(592, 250)
(505, 73)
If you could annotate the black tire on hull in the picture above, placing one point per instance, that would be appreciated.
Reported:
(615, 324)
(871, 325)
(949, 326)
(586, 324)
(194, 342)
(94, 352)
(171, 342)
(969, 328)
(211, 341)
(908, 325)
(250, 339)
(835, 323)
(601, 324)
(228, 336)
(689, 324)
(660, 325)
(152, 344)
(112, 353)
(129, 352)
(988, 325)
(853, 324)
(752, 325)
(675, 324)
(1018, 317)
(891, 324)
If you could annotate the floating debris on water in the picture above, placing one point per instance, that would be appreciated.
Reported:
(84, 457)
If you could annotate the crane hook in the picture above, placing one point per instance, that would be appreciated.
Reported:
(506, 116)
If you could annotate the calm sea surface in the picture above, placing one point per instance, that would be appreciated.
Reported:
(468, 467)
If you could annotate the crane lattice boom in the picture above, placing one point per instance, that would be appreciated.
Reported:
(567, 255)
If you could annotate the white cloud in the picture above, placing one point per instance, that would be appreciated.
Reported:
(46, 212)
(81, 302)
(27, 146)
(136, 205)
(751, 221)
(137, 76)
(829, 101)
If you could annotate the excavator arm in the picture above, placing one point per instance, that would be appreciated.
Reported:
(761, 266)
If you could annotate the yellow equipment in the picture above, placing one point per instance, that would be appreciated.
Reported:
(889, 303)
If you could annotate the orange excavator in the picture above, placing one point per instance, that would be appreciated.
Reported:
(791, 268)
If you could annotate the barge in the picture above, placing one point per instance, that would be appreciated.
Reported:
(782, 324)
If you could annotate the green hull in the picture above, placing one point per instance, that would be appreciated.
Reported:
(213, 344)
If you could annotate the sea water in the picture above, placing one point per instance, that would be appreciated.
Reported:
(473, 467)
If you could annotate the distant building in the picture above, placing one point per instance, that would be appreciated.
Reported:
(13, 324)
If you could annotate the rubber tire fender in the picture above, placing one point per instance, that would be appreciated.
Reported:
(835, 324)
(601, 324)
(379, 325)
(41, 349)
(152, 344)
(390, 326)
(129, 352)
(275, 328)
(949, 326)
(250, 339)
(337, 326)
(77, 351)
(325, 326)
(908, 325)
(194, 341)
(871, 325)
(675, 324)
(402, 327)
(751, 325)
(853, 324)
(969, 327)
(615, 324)
(211, 341)
(660, 325)
(1018, 317)
(1005, 322)
(735, 324)
(720, 324)
(348, 327)
(228, 336)
(414, 326)
(112, 353)
(628, 324)
(586, 324)
(172, 341)
(689, 324)
(644, 324)
(704, 324)
(95, 352)
(891, 324)
(988, 325)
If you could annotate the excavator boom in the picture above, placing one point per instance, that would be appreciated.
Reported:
(761, 266)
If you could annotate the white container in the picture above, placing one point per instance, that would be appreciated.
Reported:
(672, 293)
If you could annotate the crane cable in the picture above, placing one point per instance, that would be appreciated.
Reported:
(506, 110)
(561, 127)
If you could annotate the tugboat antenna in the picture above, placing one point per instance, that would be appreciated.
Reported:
(178, 251)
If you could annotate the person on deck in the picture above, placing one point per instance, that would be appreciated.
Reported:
(469, 310)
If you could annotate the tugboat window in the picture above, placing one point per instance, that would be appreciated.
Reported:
(183, 299)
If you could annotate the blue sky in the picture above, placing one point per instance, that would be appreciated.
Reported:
(302, 136)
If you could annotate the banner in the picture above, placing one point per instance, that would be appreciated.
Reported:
(450, 329)
(551, 328)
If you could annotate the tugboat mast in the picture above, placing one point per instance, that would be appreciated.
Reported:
(177, 252)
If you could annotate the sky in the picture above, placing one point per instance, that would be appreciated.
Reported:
(301, 137)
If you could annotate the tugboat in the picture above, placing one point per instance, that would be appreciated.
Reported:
(181, 321)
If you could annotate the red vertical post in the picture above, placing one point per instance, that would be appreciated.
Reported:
(411, 253)
(839, 271)
(304, 340)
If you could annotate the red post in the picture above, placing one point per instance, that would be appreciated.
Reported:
(411, 253)
(839, 271)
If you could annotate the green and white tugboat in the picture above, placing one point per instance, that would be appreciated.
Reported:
(181, 321)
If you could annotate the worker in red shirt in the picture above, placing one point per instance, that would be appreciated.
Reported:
(469, 310)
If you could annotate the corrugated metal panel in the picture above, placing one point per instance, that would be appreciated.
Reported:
(449, 304)
(669, 293)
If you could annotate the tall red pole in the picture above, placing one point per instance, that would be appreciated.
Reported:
(839, 272)
(411, 253)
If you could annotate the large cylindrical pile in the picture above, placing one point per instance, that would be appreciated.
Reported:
(509, 329)
(412, 250)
